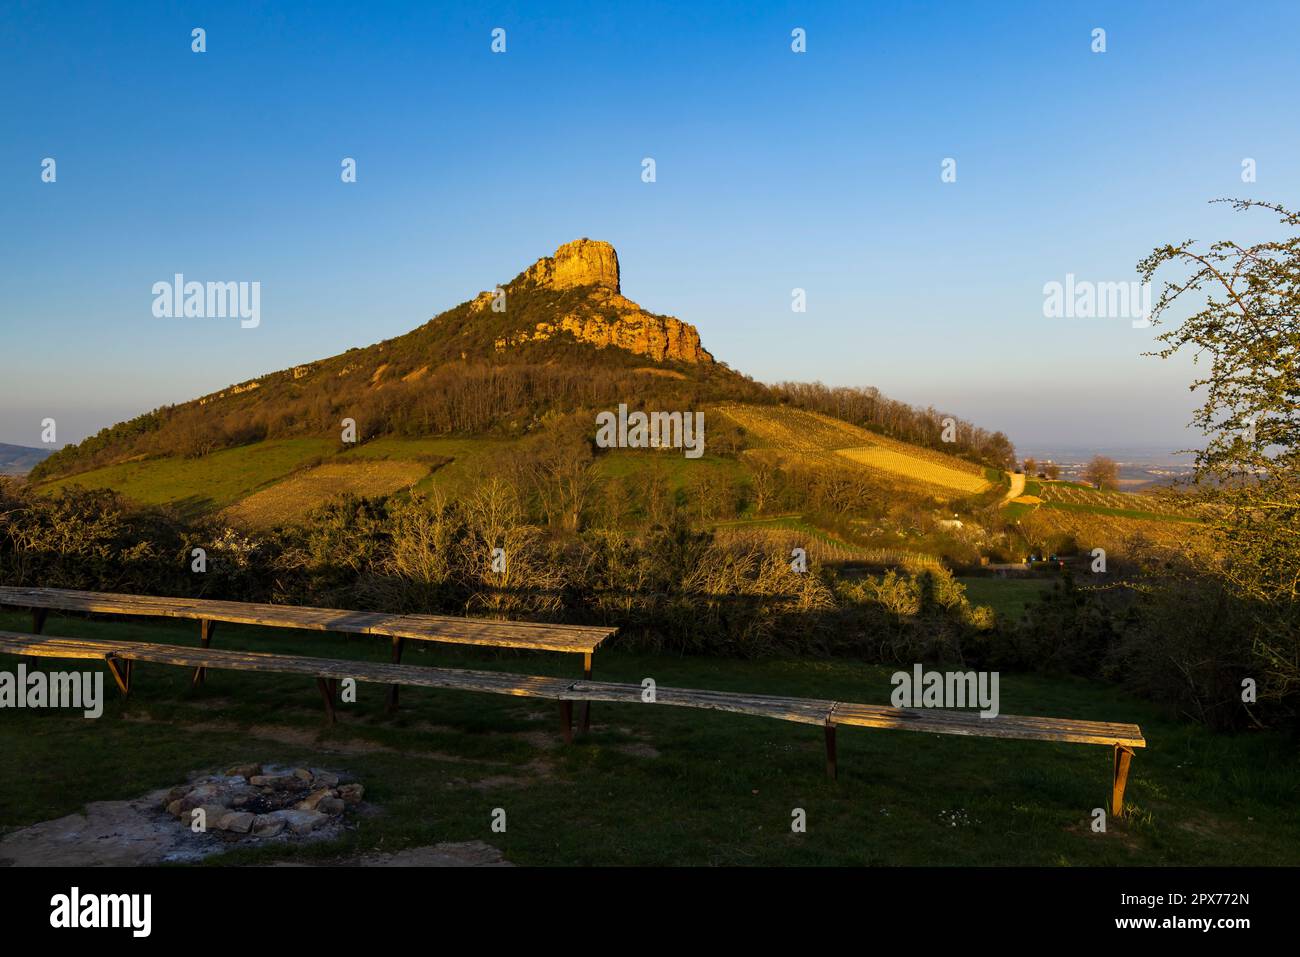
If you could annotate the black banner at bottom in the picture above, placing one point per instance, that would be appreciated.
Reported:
(925, 906)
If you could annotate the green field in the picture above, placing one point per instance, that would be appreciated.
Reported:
(204, 484)
(207, 484)
(1119, 512)
(198, 486)
(1016, 510)
(1009, 597)
(661, 785)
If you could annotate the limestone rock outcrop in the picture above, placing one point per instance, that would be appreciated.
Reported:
(605, 317)
(583, 262)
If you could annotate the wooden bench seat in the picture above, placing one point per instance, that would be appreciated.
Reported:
(947, 721)
(538, 636)
(119, 656)
(801, 710)
(491, 633)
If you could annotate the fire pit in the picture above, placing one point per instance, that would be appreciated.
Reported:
(256, 801)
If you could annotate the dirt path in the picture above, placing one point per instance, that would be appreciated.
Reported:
(1017, 487)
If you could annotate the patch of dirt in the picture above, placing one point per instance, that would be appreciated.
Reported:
(308, 738)
(1114, 832)
(538, 769)
(1206, 826)
(424, 727)
(541, 740)
(638, 750)
(208, 704)
(282, 734)
(462, 854)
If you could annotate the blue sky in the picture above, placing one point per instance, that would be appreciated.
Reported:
(775, 170)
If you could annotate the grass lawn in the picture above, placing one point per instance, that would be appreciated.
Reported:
(1009, 597)
(1017, 510)
(660, 785)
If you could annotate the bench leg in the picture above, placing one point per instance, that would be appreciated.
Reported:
(1123, 757)
(586, 705)
(391, 706)
(38, 626)
(324, 687)
(566, 721)
(205, 639)
(832, 758)
(121, 675)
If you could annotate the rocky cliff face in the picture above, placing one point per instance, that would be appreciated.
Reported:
(606, 317)
(583, 262)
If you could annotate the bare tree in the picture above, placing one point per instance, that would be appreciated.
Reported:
(762, 484)
(1102, 472)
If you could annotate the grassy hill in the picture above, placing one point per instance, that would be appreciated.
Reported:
(795, 435)
(909, 489)
(479, 391)
(280, 480)
(496, 384)
(471, 370)
(558, 338)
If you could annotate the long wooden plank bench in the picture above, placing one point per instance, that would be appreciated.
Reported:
(534, 636)
(119, 656)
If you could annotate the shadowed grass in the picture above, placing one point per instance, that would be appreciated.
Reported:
(659, 785)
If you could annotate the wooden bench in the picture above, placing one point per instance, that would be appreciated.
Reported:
(536, 636)
(118, 656)
(1123, 738)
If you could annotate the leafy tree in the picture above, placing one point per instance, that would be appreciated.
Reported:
(1245, 321)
